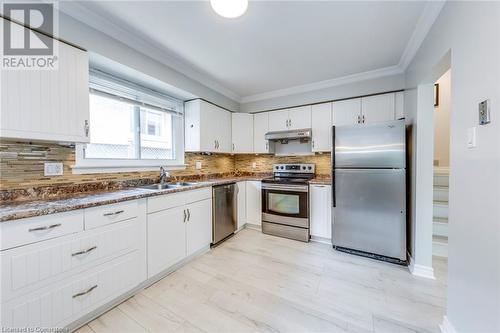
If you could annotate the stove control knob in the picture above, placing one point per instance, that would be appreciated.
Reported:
(309, 168)
(282, 167)
(303, 168)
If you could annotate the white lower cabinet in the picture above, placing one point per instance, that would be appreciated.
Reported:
(254, 203)
(166, 239)
(241, 204)
(178, 232)
(198, 226)
(60, 304)
(321, 211)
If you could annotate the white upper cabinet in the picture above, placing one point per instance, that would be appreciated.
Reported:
(321, 124)
(260, 128)
(242, 132)
(290, 119)
(399, 105)
(47, 105)
(347, 112)
(278, 120)
(207, 127)
(377, 108)
(299, 117)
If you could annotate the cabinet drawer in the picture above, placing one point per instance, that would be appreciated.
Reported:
(28, 268)
(103, 215)
(168, 201)
(36, 229)
(64, 302)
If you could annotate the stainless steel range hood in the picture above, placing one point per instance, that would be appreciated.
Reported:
(289, 135)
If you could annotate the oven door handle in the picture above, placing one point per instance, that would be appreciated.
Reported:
(286, 188)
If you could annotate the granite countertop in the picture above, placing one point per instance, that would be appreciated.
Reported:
(19, 210)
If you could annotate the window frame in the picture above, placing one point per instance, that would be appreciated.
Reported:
(107, 165)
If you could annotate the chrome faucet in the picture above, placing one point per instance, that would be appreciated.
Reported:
(163, 175)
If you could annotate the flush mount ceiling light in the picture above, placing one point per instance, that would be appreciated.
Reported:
(229, 8)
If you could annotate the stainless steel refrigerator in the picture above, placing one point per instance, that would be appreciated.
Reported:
(369, 190)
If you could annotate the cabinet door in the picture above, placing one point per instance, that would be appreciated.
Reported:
(299, 117)
(377, 108)
(254, 202)
(399, 105)
(210, 126)
(242, 132)
(198, 226)
(166, 239)
(241, 204)
(278, 120)
(321, 121)
(225, 144)
(321, 211)
(47, 104)
(347, 112)
(260, 128)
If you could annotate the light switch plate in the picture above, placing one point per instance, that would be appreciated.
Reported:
(53, 169)
(471, 137)
(198, 165)
(254, 165)
(484, 112)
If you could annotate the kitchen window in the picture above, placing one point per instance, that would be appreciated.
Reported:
(132, 128)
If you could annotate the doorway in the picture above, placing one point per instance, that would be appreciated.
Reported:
(441, 170)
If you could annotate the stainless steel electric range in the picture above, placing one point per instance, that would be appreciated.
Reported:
(285, 201)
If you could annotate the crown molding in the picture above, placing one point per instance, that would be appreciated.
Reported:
(381, 72)
(424, 24)
(85, 15)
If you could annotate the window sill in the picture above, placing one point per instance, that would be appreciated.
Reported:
(89, 169)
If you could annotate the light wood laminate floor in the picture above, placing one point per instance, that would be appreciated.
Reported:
(260, 283)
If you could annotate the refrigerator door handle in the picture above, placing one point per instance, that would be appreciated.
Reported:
(334, 201)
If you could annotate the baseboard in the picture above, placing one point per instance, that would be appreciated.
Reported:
(322, 240)
(253, 226)
(420, 270)
(446, 326)
(122, 298)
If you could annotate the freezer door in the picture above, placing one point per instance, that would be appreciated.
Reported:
(370, 212)
(380, 145)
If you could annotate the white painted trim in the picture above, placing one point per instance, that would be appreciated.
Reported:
(427, 18)
(446, 326)
(83, 13)
(253, 226)
(381, 72)
(322, 240)
(420, 270)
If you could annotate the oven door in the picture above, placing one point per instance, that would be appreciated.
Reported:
(286, 204)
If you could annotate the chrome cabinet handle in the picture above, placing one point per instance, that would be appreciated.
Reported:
(86, 127)
(267, 145)
(84, 251)
(363, 119)
(215, 144)
(313, 143)
(233, 146)
(189, 214)
(184, 216)
(47, 227)
(114, 213)
(85, 292)
(359, 119)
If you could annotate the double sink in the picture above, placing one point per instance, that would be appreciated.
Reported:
(164, 186)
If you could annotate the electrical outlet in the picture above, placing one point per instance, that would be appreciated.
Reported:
(197, 165)
(254, 165)
(53, 169)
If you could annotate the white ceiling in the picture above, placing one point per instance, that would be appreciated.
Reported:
(277, 44)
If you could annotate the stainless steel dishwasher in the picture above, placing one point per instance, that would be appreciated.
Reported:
(224, 212)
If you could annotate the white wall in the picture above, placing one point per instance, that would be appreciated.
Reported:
(470, 31)
(95, 41)
(442, 121)
(382, 84)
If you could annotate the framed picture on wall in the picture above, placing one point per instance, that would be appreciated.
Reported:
(436, 94)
